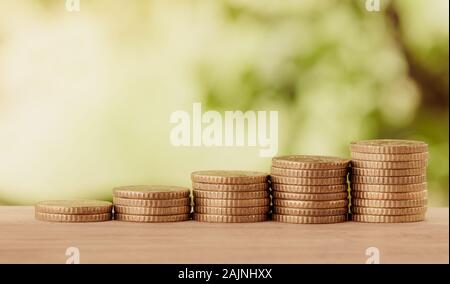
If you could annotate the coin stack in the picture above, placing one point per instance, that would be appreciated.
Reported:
(151, 203)
(230, 196)
(73, 211)
(388, 181)
(309, 189)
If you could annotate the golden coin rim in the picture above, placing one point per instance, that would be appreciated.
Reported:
(310, 162)
(229, 177)
(389, 196)
(312, 189)
(78, 207)
(157, 211)
(231, 202)
(395, 146)
(72, 218)
(151, 191)
(234, 211)
(389, 164)
(309, 212)
(308, 181)
(389, 203)
(388, 180)
(230, 187)
(309, 219)
(390, 157)
(244, 195)
(151, 202)
(308, 173)
(388, 172)
(389, 188)
(388, 211)
(229, 218)
(311, 204)
(151, 218)
(309, 196)
(387, 219)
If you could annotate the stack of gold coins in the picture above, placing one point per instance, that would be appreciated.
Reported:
(388, 181)
(230, 196)
(152, 203)
(73, 211)
(309, 189)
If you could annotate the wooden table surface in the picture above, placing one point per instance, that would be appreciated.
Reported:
(25, 240)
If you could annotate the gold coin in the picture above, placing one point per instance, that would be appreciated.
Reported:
(309, 173)
(72, 218)
(258, 210)
(230, 194)
(390, 157)
(309, 196)
(229, 218)
(229, 177)
(388, 203)
(309, 219)
(389, 196)
(389, 165)
(310, 212)
(389, 146)
(310, 162)
(388, 172)
(151, 192)
(387, 219)
(231, 202)
(391, 188)
(308, 181)
(309, 189)
(230, 187)
(388, 180)
(177, 210)
(151, 219)
(388, 211)
(151, 202)
(75, 207)
(310, 204)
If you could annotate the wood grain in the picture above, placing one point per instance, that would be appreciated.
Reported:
(25, 240)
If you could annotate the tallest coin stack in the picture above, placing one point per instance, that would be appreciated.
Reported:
(388, 181)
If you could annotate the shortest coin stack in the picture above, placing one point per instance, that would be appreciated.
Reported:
(388, 181)
(73, 211)
(230, 196)
(151, 203)
(309, 189)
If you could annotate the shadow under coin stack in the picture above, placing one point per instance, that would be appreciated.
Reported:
(309, 189)
(69, 211)
(151, 203)
(388, 181)
(230, 196)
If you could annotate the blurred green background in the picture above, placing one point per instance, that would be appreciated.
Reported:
(85, 97)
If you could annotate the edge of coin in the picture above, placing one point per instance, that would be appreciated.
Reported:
(233, 177)
(72, 218)
(295, 219)
(158, 211)
(96, 207)
(309, 212)
(388, 211)
(236, 211)
(387, 219)
(230, 187)
(151, 192)
(244, 195)
(151, 218)
(229, 218)
(311, 189)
